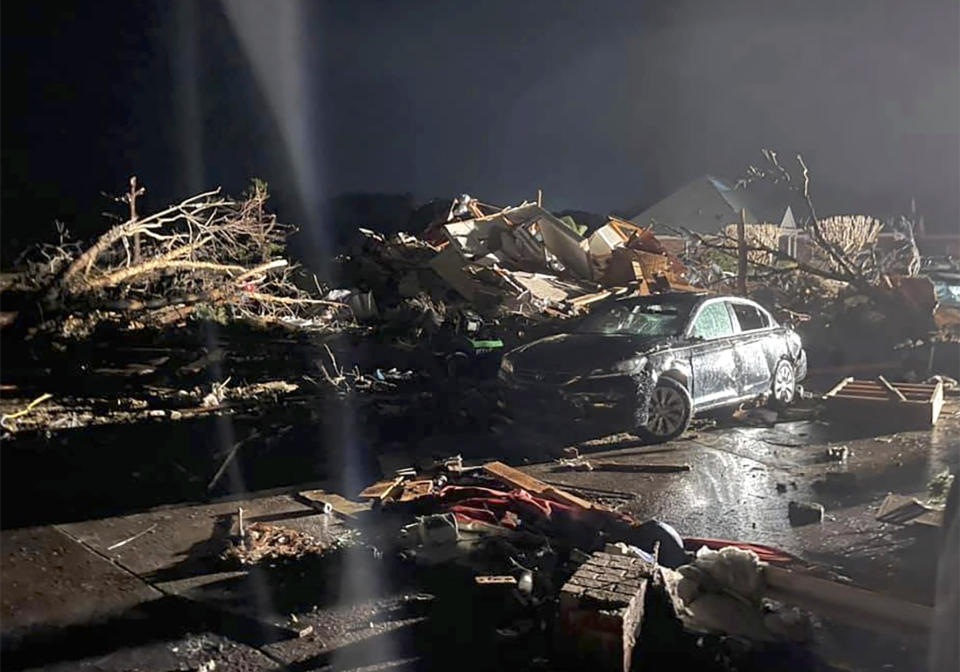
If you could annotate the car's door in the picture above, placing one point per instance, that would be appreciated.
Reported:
(751, 348)
(712, 357)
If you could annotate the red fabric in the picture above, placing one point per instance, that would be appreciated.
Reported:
(764, 552)
(493, 506)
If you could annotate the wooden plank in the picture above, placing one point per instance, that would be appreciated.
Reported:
(890, 388)
(866, 396)
(906, 387)
(564, 497)
(839, 386)
(923, 395)
(879, 400)
(381, 489)
(518, 479)
(936, 403)
(515, 477)
(859, 607)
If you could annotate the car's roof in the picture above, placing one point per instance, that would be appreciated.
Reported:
(685, 299)
(669, 297)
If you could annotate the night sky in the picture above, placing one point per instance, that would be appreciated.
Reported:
(605, 105)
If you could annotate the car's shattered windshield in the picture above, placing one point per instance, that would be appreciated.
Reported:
(642, 319)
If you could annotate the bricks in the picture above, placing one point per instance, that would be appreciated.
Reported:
(601, 609)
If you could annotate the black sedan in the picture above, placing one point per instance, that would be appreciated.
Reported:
(654, 361)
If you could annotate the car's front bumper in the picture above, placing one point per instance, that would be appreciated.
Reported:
(610, 399)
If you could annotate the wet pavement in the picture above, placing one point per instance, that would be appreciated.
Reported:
(743, 478)
(75, 597)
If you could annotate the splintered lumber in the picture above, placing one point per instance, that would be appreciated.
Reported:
(650, 468)
(382, 490)
(859, 607)
(518, 479)
(903, 404)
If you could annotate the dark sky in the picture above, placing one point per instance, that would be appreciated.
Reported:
(605, 105)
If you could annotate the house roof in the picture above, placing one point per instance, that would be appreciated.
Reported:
(709, 203)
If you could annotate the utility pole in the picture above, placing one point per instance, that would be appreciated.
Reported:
(742, 253)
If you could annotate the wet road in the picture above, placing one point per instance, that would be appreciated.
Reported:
(742, 480)
(159, 603)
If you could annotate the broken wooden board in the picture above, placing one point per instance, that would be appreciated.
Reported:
(341, 505)
(382, 490)
(518, 479)
(515, 477)
(904, 510)
(869, 400)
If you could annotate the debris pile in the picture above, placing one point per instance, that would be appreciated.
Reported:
(857, 271)
(260, 542)
(605, 589)
(518, 261)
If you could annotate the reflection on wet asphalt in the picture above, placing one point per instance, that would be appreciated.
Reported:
(744, 477)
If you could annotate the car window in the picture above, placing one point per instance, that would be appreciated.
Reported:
(645, 319)
(749, 317)
(713, 322)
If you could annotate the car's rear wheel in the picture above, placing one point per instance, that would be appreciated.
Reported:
(783, 389)
(669, 411)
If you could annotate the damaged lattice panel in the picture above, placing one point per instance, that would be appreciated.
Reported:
(906, 404)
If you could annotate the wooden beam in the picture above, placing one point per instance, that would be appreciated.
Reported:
(859, 607)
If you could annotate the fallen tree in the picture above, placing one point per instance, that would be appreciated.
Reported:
(210, 253)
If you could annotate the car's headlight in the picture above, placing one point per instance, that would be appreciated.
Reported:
(631, 365)
(506, 365)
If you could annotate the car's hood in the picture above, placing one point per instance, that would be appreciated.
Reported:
(580, 353)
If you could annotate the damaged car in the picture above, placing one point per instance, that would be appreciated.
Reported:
(650, 363)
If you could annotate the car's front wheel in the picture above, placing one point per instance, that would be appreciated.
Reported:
(783, 389)
(669, 411)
